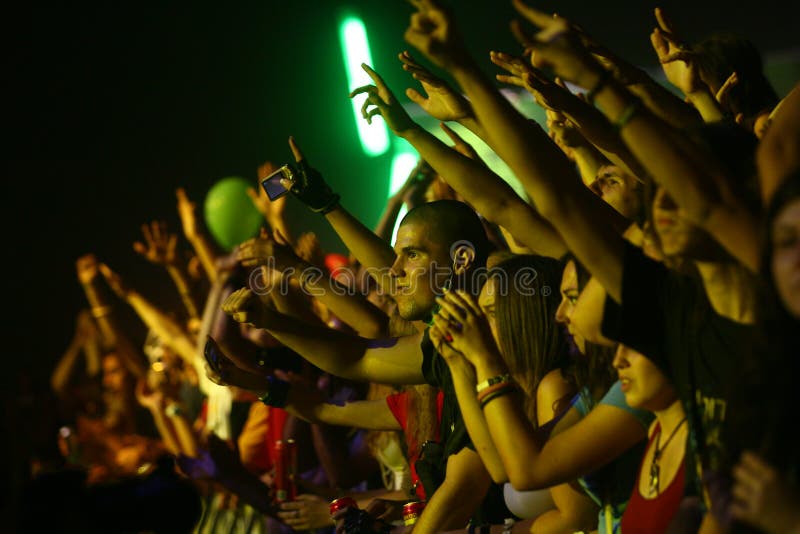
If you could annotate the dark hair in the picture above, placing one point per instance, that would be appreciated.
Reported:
(450, 221)
(722, 54)
(595, 373)
(531, 342)
(761, 409)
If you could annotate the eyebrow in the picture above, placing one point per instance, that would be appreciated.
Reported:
(414, 248)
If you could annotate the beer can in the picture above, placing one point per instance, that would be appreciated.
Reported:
(341, 504)
(412, 511)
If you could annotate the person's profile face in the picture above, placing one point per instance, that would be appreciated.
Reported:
(569, 298)
(785, 260)
(676, 235)
(643, 384)
(419, 272)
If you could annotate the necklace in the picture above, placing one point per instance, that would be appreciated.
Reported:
(654, 467)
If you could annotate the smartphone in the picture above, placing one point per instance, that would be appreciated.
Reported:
(272, 184)
(213, 355)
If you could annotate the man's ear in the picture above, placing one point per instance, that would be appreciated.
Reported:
(463, 255)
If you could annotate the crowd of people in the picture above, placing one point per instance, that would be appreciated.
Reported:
(611, 354)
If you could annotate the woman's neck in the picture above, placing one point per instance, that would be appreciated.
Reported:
(670, 417)
(729, 290)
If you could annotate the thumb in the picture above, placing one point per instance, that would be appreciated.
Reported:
(139, 248)
(415, 96)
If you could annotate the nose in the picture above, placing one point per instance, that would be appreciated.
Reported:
(663, 200)
(561, 312)
(620, 358)
(396, 270)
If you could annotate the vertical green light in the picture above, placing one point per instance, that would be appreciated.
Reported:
(404, 160)
(355, 50)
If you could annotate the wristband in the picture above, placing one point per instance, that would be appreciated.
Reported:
(492, 381)
(101, 311)
(627, 114)
(277, 392)
(605, 76)
(496, 394)
(173, 410)
(495, 387)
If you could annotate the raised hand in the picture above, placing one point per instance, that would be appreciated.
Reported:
(384, 104)
(461, 320)
(461, 146)
(724, 92)
(186, 212)
(557, 45)
(259, 250)
(432, 32)
(152, 399)
(677, 60)
(244, 306)
(159, 245)
(442, 101)
(762, 498)
(442, 346)
(226, 373)
(87, 268)
(114, 281)
(309, 186)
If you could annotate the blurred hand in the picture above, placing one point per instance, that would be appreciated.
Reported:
(309, 187)
(152, 399)
(244, 306)
(677, 60)
(87, 269)
(308, 512)
(186, 212)
(556, 45)
(115, 281)
(432, 32)
(159, 245)
(762, 497)
(259, 250)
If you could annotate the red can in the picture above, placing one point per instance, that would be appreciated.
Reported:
(285, 470)
(412, 511)
(341, 504)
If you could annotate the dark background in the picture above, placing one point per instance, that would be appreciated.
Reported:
(109, 108)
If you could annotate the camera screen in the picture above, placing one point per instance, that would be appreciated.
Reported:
(272, 185)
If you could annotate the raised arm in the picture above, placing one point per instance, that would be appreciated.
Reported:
(390, 361)
(199, 241)
(167, 328)
(88, 274)
(369, 249)
(159, 249)
(285, 270)
(691, 176)
(84, 331)
(489, 194)
(548, 177)
(531, 460)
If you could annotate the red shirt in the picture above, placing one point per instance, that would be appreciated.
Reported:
(653, 516)
(398, 404)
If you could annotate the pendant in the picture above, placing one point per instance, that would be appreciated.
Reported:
(654, 472)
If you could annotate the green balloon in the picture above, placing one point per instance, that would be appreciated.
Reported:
(231, 216)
